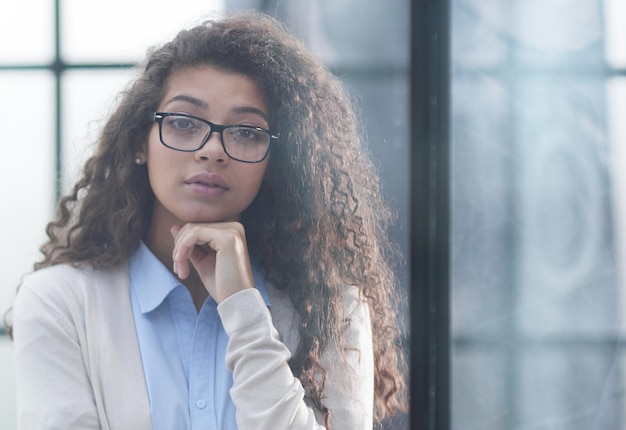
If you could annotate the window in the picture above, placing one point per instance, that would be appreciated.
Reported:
(514, 221)
(536, 202)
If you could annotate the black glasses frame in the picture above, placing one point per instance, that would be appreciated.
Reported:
(158, 117)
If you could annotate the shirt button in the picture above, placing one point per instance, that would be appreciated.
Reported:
(200, 404)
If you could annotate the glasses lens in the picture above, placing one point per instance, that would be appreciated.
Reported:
(184, 133)
(241, 142)
(246, 143)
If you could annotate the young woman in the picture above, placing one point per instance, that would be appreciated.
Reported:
(222, 263)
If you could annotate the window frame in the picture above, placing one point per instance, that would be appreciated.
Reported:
(430, 215)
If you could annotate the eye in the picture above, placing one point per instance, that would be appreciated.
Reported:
(182, 123)
(247, 134)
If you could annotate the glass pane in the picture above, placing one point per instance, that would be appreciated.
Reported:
(569, 387)
(341, 32)
(616, 101)
(88, 97)
(536, 292)
(137, 25)
(475, 398)
(26, 30)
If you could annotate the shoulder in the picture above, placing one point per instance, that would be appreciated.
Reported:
(58, 275)
(64, 288)
(54, 284)
(68, 279)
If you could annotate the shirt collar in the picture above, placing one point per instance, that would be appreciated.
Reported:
(153, 282)
(151, 279)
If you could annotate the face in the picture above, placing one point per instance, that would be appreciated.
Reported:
(206, 185)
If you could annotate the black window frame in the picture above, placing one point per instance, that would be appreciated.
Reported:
(430, 215)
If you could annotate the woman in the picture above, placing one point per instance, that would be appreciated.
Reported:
(222, 262)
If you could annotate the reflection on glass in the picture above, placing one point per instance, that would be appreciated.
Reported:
(535, 292)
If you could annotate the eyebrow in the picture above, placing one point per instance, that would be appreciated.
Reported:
(203, 105)
(251, 109)
(189, 99)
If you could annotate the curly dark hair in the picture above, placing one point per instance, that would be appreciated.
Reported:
(319, 222)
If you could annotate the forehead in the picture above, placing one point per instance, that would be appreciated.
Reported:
(211, 87)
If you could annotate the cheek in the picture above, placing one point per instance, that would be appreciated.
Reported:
(263, 167)
(252, 178)
(152, 143)
(161, 165)
(162, 159)
(260, 175)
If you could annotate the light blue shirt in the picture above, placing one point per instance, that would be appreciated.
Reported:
(182, 350)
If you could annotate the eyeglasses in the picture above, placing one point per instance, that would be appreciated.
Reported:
(188, 133)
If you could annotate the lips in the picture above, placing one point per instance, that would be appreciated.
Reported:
(207, 179)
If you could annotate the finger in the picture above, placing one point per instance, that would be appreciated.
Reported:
(207, 237)
(218, 252)
(175, 229)
(180, 252)
(191, 243)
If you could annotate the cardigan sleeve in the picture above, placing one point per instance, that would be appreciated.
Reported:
(265, 392)
(53, 388)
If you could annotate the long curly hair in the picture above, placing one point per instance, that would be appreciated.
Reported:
(319, 222)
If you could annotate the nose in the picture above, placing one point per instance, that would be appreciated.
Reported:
(212, 149)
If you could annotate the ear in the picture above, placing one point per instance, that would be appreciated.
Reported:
(142, 155)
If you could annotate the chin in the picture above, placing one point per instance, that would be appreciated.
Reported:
(209, 218)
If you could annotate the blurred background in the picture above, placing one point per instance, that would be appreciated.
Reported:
(538, 140)
(537, 250)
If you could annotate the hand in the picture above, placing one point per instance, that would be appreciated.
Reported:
(219, 254)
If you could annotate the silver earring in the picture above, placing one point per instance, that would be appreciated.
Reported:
(138, 161)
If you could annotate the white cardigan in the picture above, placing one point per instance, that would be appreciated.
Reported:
(78, 364)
